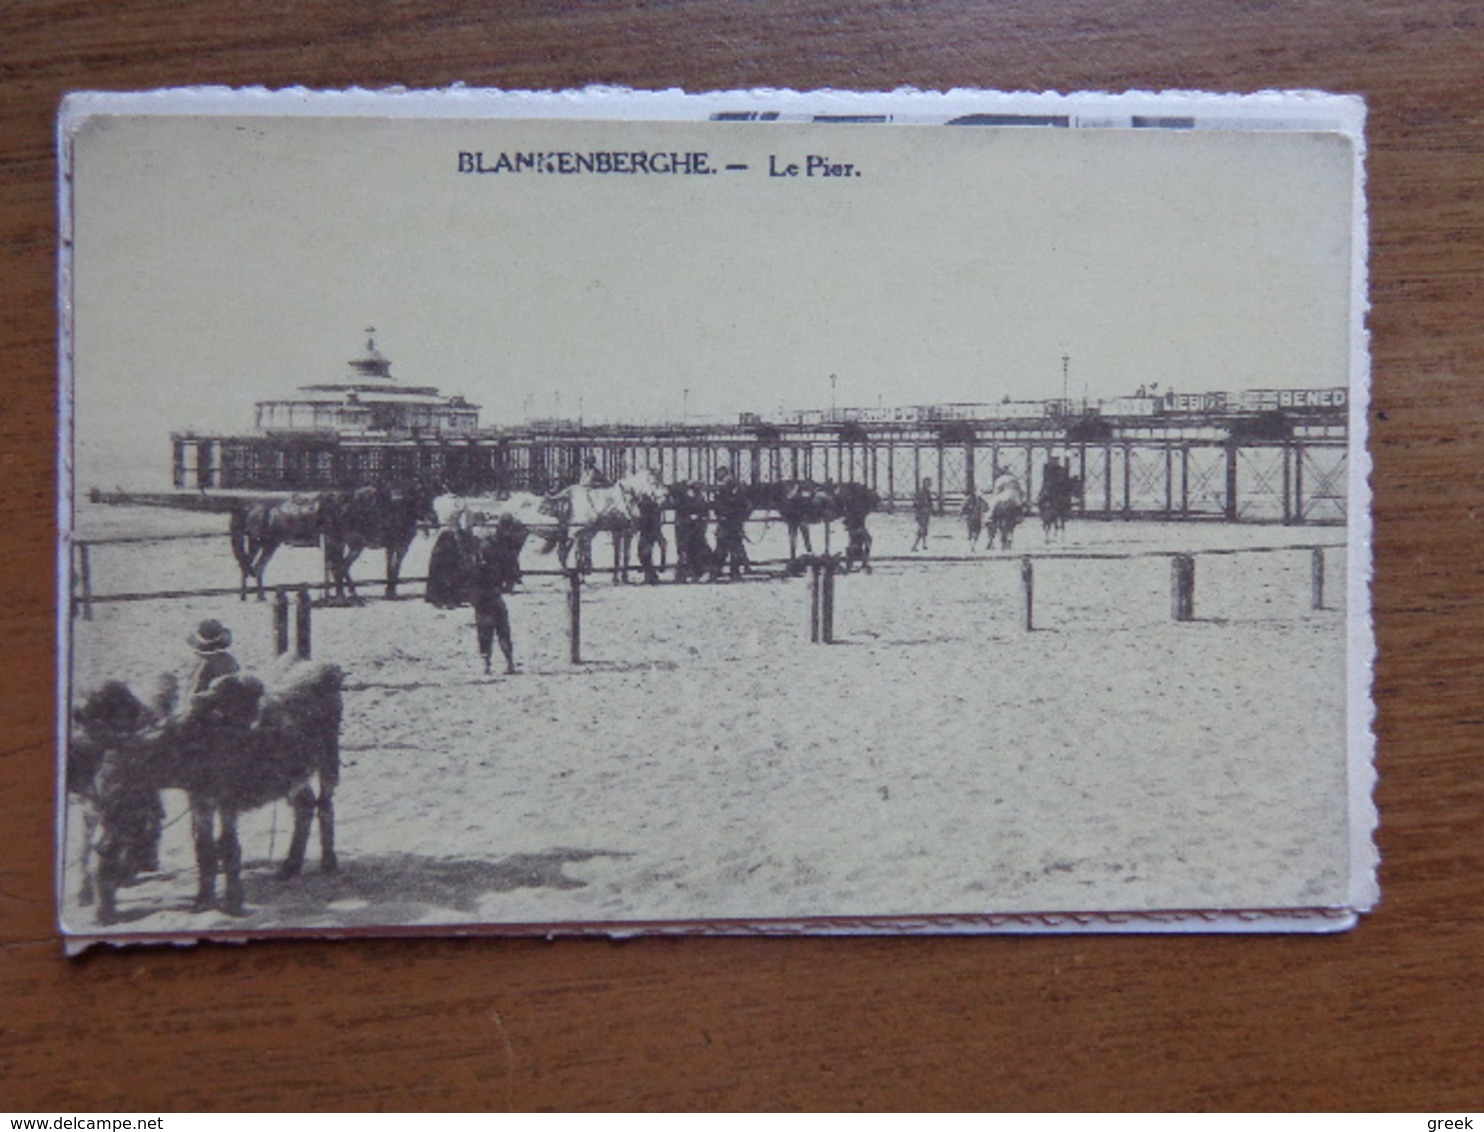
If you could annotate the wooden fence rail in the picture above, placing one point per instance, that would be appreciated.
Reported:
(822, 571)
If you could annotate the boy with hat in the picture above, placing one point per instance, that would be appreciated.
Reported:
(210, 641)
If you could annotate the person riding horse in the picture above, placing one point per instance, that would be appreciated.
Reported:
(1058, 491)
(1004, 507)
(1053, 478)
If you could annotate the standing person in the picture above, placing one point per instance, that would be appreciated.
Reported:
(692, 551)
(445, 588)
(651, 534)
(858, 546)
(496, 567)
(1054, 498)
(922, 508)
(973, 513)
(731, 510)
(211, 640)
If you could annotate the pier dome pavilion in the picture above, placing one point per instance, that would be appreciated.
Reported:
(368, 401)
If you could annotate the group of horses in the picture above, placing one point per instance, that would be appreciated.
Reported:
(630, 510)
(708, 524)
(996, 512)
(343, 523)
(240, 744)
(233, 747)
(388, 517)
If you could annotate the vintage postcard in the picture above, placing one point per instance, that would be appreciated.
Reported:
(620, 512)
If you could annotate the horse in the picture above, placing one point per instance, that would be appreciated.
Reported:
(521, 511)
(382, 516)
(1002, 520)
(129, 819)
(257, 530)
(236, 746)
(472, 512)
(1055, 501)
(799, 503)
(585, 511)
(1004, 507)
(802, 503)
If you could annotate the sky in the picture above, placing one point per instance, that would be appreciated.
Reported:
(222, 261)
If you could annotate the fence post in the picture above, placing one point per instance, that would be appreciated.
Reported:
(301, 624)
(85, 578)
(1182, 587)
(574, 615)
(827, 604)
(1028, 592)
(1316, 572)
(1231, 481)
(814, 596)
(280, 622)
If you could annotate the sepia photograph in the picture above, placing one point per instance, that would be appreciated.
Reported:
(606, 513)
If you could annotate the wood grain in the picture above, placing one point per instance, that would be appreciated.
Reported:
(1386, 1017)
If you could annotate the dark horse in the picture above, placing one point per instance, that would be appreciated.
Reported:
(802, 503)
(1056, 500)
(259, 529)
(237, 746)
(385, 516)
(799, 503)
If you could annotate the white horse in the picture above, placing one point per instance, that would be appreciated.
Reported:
(482, 514)
(475, 512)
(587, 510)
(1003, 508)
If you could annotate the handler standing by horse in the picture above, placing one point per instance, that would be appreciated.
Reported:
(731, 509)
(692, 551)
(651, 534)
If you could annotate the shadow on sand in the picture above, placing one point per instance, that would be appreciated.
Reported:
(365, 891)
(374, 884)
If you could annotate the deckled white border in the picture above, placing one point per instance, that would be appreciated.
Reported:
(1254, 922)
(1266, 110)
(1360, 710)
(1303, 111)
(65, 399)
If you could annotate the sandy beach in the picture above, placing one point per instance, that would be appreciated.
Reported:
(706, 762)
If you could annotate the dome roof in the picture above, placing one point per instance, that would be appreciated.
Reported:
(373, 363)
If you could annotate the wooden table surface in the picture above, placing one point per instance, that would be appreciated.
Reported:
(1386, 1017)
